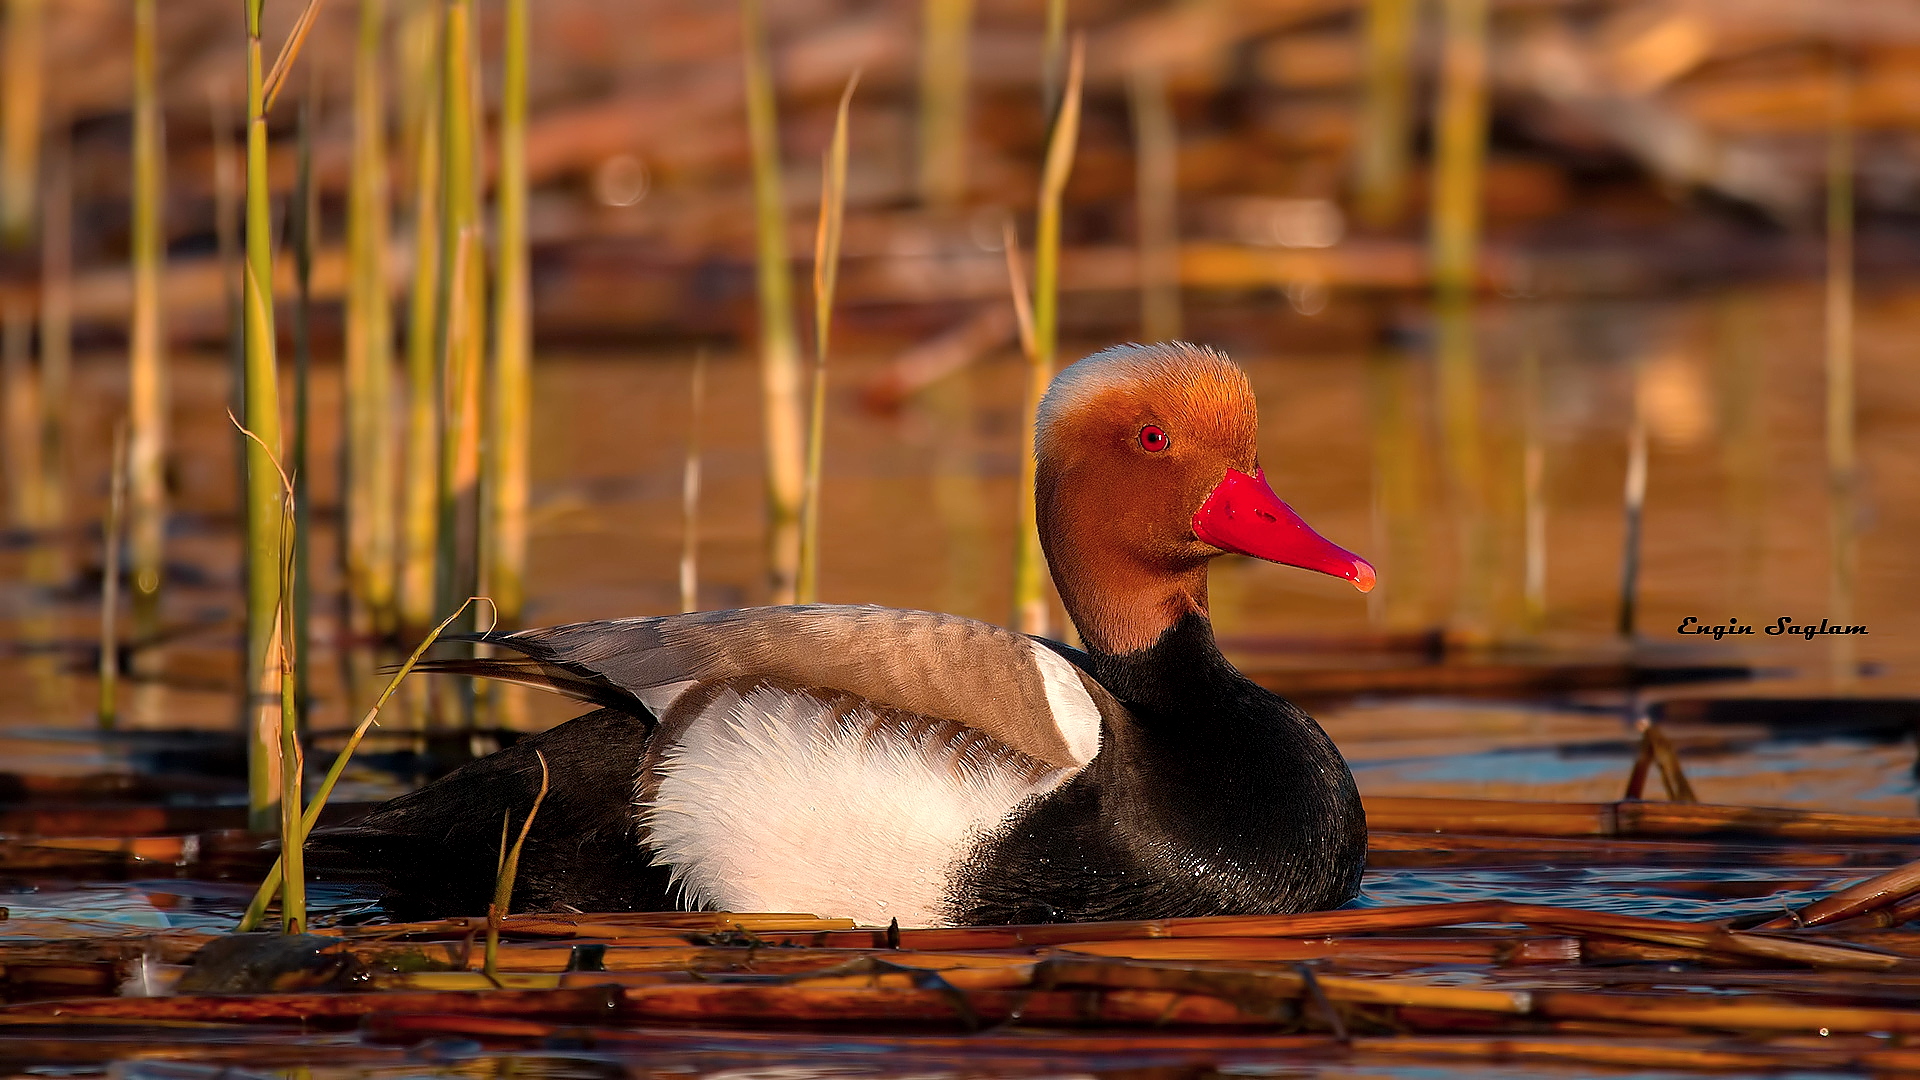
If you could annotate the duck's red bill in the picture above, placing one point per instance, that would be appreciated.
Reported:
(1243, 515)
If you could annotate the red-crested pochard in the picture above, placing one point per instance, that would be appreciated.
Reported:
(885, 764)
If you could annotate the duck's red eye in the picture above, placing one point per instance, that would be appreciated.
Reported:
(1153, 439)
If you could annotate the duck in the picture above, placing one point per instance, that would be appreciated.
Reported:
(923, 769)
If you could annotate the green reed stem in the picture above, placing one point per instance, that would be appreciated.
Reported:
(303, 223)
(420, 514)
(507, 871)
(782, 411)
(826, 275)
(1386, 113)
(271, 884)
(462, 337)
(1842, 470)
(368, 486)
(146, 345)
(1157, 187)
(510, 459)
(1029, 570)
(262, 418)
(945, 30)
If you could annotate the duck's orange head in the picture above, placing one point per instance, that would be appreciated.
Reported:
(1148, 467)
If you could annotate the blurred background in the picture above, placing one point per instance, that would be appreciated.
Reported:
(1578, 318)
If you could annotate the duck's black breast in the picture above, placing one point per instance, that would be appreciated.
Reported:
(1217, 798)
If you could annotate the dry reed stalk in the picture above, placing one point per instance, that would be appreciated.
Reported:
(690, 491)
(1022, 296)
(22, 88)
(1533, 474)
(945, 32)
(1881, 891)
(1053, 57)
(108, 713)
(227, 223)
(1633, 502)
(262, 418)
(420, 514)
(368, 484)
(1380, 183)
(507, 871)
(826, 274)
(463, 307)
(270, 887)
(1157, 209)
(1031, 610)
(146, 339)
(511, 434)
(1460, 139)
(783, 412)
(1842, 471)
(290, 51)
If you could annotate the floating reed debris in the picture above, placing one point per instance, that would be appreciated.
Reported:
(108, 713)
(826, 273)
(368, 548)
(507, 871)
(946, 28)
(783, 412)
(146, 344)
(690, 490)
(511, 432)
(1029, 567)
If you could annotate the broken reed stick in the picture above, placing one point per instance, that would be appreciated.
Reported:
(261, 416)
(1658, 750)
(783, 413)
(690, 490)
(507, 871)
(826, 273)
(108, 714)
(146, 342)
(270, 887)
(1031, 614)
(368, 547)
(511, 435)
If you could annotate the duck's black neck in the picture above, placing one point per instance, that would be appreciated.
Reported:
(1182, 665)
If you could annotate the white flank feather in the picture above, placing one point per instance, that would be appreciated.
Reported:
(770, 803)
